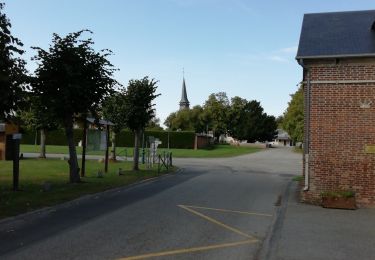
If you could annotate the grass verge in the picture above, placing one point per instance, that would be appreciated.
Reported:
(35, 173)
(216, 151)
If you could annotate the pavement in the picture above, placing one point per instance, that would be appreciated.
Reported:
(232, 208)
(305, 231)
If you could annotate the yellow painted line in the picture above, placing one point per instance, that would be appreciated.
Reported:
(189, 250)
(216, 222)
(231, 211)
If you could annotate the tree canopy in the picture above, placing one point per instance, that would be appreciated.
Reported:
(12, 69)
(139, 97)
(242, 119)
(72, 79)
(293, 116)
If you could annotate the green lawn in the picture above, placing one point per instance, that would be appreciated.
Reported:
(216, 151)
(35, 172)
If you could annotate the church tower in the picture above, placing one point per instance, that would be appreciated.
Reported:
(184, 103)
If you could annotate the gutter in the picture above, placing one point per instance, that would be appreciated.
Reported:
(307, 121)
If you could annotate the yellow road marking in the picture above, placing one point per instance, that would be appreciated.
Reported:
(216, 222)
(189, 250)
(231, 211)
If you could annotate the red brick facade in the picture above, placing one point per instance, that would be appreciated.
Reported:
(342, 123)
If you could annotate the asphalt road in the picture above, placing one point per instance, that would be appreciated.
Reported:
(211, 209)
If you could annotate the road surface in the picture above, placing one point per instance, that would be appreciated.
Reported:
(211, 209)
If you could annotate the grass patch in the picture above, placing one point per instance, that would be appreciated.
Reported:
(216, 151)
(35, 172)
(298, 178)
(298, 150)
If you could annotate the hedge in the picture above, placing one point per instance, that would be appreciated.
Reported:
(54, 137)
(182, 140)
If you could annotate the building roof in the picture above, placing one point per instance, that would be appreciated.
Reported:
(184, 98)
(338, 34)
(184, 103)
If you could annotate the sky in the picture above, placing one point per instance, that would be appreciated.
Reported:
(243, 48)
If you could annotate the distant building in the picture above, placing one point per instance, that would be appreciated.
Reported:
(184, 103)
(337, 54)
(282, 138)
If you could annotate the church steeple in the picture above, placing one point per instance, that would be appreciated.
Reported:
(184, 103)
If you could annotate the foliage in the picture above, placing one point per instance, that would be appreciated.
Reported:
(72, 79)
(53, 137)
(338, 194)
(12, 69)
(240, 118)
(186, 120)
(293, 116)
(138, 102)
(154, 125)
(215, 114)
(114, 110)
(252, 123)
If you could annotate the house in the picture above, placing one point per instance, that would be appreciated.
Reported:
(337, 53)
(282, 139)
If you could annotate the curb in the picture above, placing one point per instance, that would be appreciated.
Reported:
(269, 246)
(18, 219)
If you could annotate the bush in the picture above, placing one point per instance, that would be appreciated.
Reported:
(182, 140)
(53, 137)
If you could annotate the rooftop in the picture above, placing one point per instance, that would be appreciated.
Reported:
(338, 34)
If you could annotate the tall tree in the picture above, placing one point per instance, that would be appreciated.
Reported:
(215, 115)
(138, 100)
(72, 79)
(253, 124)
(293, 116)
(12, 69)
(115, 110)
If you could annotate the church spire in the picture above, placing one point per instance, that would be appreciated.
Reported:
(184, 103)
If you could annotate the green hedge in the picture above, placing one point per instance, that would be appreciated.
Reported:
(54, 137)
(183, 140)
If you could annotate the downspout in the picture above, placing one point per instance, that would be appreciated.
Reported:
(307, 129)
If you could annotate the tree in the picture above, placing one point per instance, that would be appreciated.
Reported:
(115, 110)
(235, 115)
(138, 101)
(12, 69)
(186, 120)
(215, 114)
(293, 116)
(154, 125)
(252, 123)
(72, 79)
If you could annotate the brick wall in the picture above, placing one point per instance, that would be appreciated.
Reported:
(340, 129)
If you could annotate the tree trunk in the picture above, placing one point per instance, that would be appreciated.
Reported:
(73, 162)
(136, 150)
(42, 153)
(113, 150)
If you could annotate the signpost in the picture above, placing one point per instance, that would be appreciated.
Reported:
(16, 160)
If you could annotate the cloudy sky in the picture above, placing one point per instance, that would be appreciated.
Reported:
(243, 48)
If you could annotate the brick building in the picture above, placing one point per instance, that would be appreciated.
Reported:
(337, 54)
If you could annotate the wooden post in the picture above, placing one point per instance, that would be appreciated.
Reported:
(84, 144)
(106, 151)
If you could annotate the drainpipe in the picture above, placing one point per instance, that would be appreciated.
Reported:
(307, 121)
